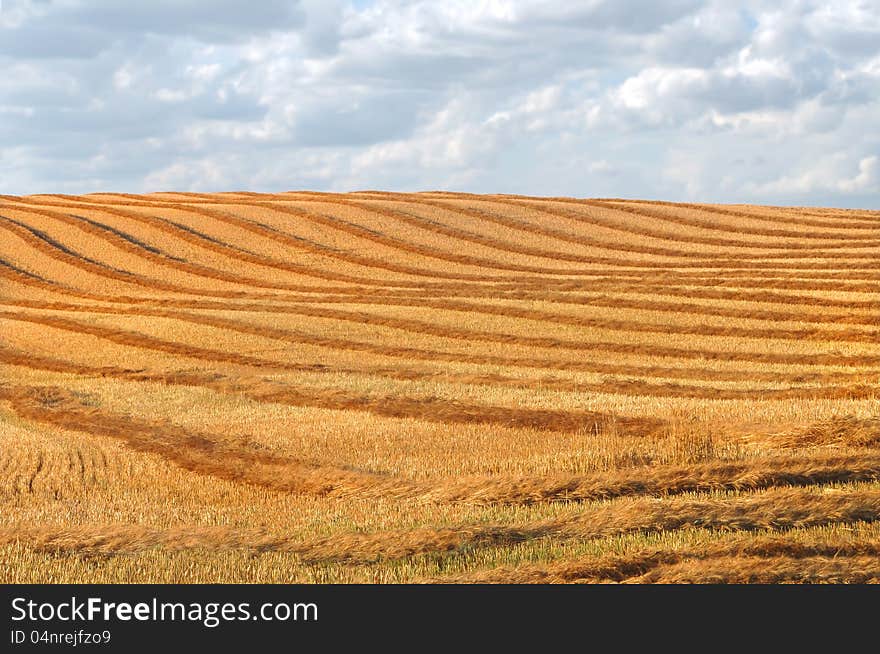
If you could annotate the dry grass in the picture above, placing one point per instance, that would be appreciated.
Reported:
(380, 387)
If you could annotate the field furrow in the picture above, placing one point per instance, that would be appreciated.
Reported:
(437, 386)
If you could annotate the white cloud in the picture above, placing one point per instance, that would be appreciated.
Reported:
(700, 99)
(602, 167)
(868, 178)
(122, 78)
(830, 174)
(170, 95)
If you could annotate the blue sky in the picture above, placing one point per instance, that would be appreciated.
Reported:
(771, 102)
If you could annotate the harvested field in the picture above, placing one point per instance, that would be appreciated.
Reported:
(436, 387)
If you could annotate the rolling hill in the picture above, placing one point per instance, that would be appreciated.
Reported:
(389, 387)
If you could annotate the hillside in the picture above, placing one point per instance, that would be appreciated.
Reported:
(436, 387)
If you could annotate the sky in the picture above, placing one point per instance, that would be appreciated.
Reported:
(684, 100)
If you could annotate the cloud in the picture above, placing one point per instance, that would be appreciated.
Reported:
(828, 175)
(217, 20)
(753, 101)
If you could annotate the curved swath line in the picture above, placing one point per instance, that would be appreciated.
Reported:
(125, 199)
(798, 246)
(863, 377)
(426, 251)
(413, 248)
(34, 235)
(853, 273)
(204, 241)
(18, 275)
(714, 280)
(777, 509)
(614, 302)
(719, 281)
(540, 203)
(118, 235)
(452, 232)
(487, 241)
(765, 284)
(604, 300)
(86, 198)
(422, 327)
(170, 227)
(804, 250)
(851, 562)
(533, 283)
(714, 263)
(401, 245)
(427, 328)
(351, 228)
(66, 255)
(206, 454)
(370, 262)
(203, 196)
(703, 290)
(484, 262)
(868, 214)
(757, 231)
(227, 250)
(738, 213)
(691, 288)
(836, 213)
(686, 308)
(841, 221)
(760, 231)
(59, 252)
(618, 568)
(186, 194)
(329, 221)
(122, 241)
(667, 480)
(697, 290)
(430, 409)
(130, 245)
(419, 221)
(844, 223)
(734, 209)
(702, 374)
(357, 294)
(766, 570)
(302, 244)
(690, 222)
(737, 263)
(13, 273)
(286, 238)
(135, 339)
(198, 452)
(794, 284)
(662, 216)
(363, 232)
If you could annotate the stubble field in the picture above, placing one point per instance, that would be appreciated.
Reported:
(436, 387)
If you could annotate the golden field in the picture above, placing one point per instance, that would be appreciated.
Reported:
(436, 387)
